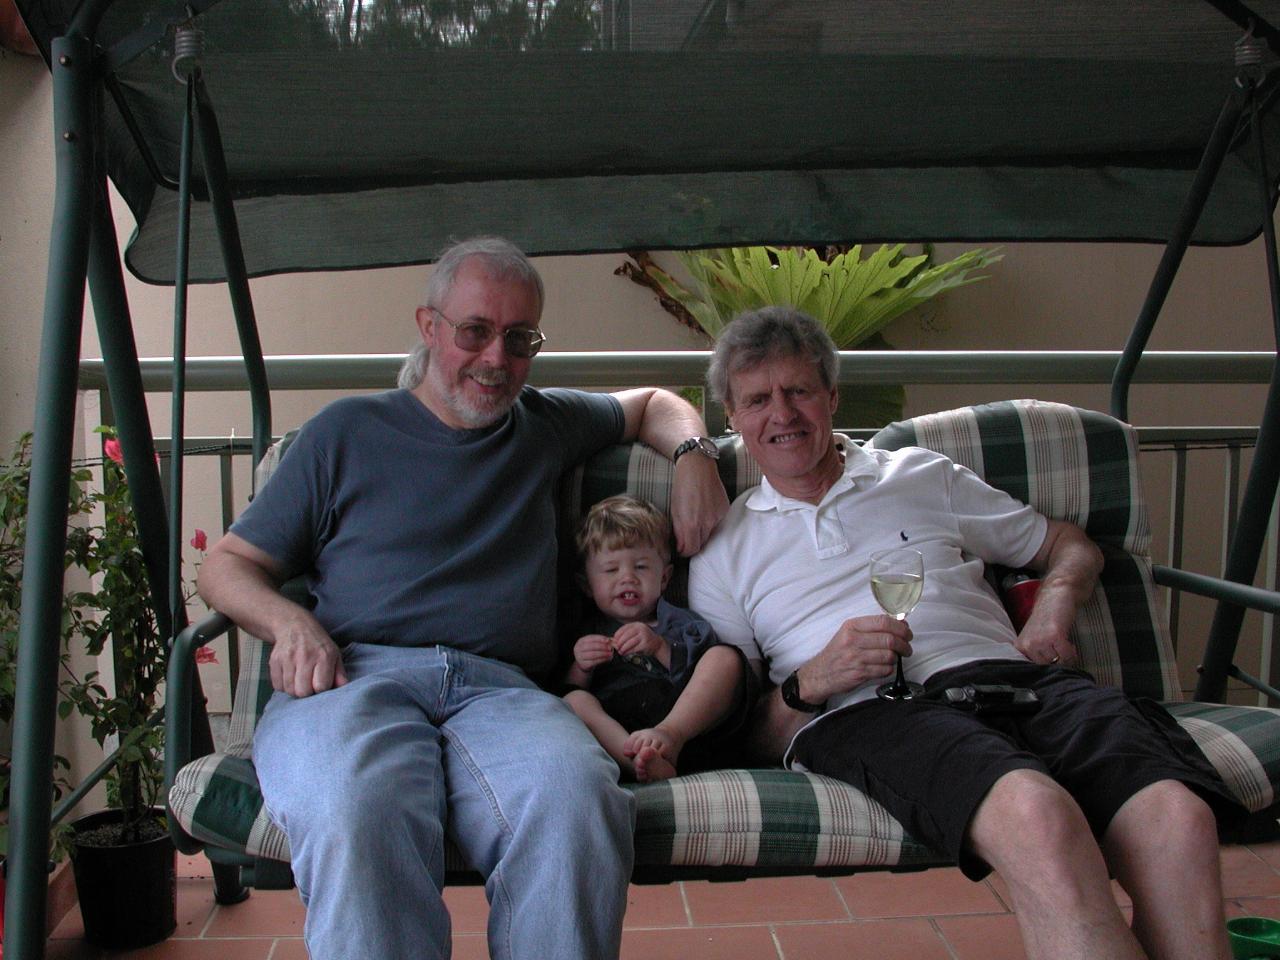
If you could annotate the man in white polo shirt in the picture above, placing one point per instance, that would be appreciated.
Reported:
(1053, 798)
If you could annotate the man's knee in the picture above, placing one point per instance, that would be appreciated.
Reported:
(1169, 810)
(1026, 814)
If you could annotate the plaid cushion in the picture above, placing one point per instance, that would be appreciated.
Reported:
(1079, 466)
(768, 819)
(1071, 464)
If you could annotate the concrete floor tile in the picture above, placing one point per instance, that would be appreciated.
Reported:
(922, 894)
(705, 943)
(784, 899)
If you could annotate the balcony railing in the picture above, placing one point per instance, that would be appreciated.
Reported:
(1184, 447)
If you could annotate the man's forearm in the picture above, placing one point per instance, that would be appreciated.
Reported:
(247, 593)
(660, 419)
(1070, 564)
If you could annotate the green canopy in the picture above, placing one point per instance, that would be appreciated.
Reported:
(369, 132)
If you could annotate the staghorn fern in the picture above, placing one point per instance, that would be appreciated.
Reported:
(852, 298)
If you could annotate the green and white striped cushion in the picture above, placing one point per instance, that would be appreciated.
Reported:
(1080, 466)
(1071, 464)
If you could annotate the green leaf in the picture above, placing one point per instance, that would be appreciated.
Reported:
(853, 298)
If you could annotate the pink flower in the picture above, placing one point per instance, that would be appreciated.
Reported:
(201, 540)
(111, 446)
(206, 655)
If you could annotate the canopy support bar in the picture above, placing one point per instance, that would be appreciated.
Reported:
(215, 171)
(200, 124)
(1264, 472)
(177, 407)
(39, 635)
(1210, 163)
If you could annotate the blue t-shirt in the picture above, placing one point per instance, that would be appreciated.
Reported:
(414, 533)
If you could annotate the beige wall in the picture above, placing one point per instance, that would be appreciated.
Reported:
(1050, 296)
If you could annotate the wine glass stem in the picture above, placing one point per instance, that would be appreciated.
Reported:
(902, 676)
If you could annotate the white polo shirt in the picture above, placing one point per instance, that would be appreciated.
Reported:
(780, 576)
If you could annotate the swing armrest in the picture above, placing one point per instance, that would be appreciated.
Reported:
(179, 689)
(1216, 588)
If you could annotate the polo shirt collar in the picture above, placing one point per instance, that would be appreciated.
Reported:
(858, 463)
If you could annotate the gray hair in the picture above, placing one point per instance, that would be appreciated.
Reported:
(768, 333)
(501, 259)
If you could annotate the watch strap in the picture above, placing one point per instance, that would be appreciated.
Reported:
(791, 695)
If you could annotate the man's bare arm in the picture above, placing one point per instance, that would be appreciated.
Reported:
(664, 421)
(1069, 563)
(863, 649)
(243, 582)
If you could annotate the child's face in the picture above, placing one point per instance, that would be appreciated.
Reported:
(626, 583)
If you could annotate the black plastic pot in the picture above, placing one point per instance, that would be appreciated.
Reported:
(128, 892)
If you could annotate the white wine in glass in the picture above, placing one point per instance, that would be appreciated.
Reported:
(897, 580)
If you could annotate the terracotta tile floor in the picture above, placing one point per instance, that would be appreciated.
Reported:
(933, 915)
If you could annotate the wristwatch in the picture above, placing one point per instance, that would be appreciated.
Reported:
(791, 695)
(703, 445)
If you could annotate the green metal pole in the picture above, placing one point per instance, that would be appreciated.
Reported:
(124, 380)
(1215, 152)
(178, 400)
(128, 403)
(1264, 473)
(215, 171)
(40, 629)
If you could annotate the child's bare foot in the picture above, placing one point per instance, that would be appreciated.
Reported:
(650, 766)
(659, 738)
(653, 751)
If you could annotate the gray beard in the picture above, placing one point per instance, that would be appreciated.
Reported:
(472, 415)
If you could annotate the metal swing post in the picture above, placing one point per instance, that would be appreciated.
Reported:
(200, 127)
(1264, 472)
(76, 131)
(1215, 152)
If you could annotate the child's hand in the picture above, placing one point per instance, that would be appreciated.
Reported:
(592, 650)
(638, 638)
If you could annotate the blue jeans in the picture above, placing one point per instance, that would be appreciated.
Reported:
(368, 779)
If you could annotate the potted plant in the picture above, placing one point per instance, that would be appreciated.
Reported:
(853, 298)
(123, 858)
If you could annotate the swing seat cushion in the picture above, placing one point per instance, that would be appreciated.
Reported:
(1070, 464)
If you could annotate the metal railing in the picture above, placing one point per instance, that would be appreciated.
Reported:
(679, 368)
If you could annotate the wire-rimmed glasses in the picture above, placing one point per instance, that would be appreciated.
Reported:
(474, 335)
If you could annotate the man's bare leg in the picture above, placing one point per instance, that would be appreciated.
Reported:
(1034, 835)
(1162, 846)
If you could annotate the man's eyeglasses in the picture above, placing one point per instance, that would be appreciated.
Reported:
(473, 336)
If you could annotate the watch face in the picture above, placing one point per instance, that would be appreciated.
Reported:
(703, 445)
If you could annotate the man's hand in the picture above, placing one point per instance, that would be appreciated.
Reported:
(698, 501)
(1042, 642)
(864, 648)
(591, 651)
(641, 638)
(1045, 637)
(305, 660)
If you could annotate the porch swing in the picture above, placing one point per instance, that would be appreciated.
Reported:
(345, 151)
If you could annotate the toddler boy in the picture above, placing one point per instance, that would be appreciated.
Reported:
(651, 679)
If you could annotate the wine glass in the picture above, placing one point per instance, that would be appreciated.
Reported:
(897, 580)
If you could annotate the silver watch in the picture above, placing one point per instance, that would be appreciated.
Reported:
(703, 445)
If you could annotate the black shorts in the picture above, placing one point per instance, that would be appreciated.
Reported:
(638, 698)
(930, 764)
